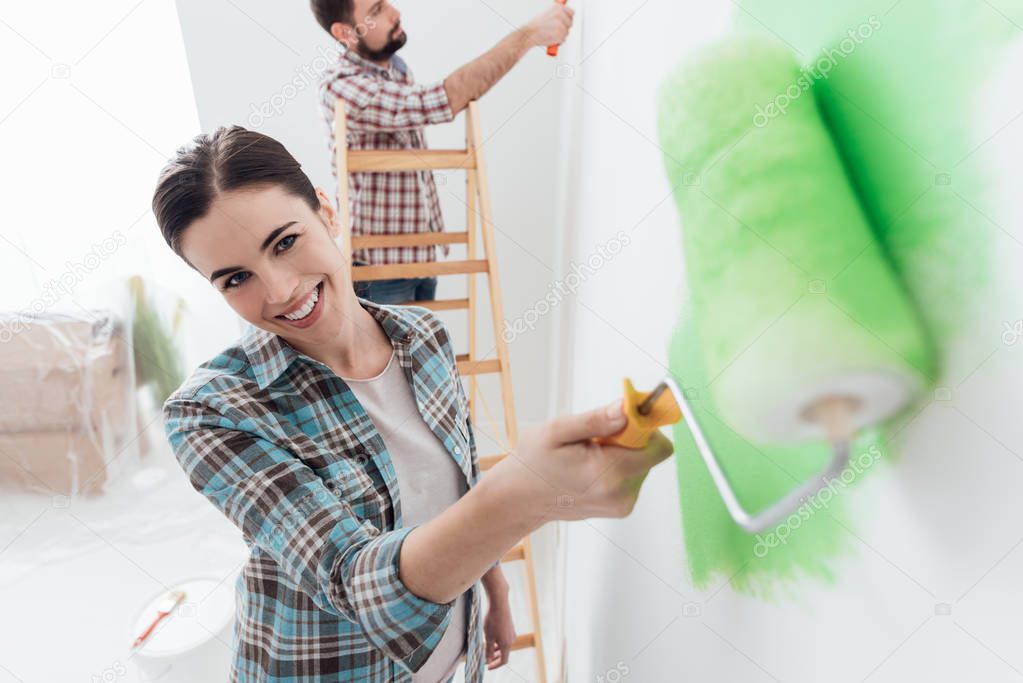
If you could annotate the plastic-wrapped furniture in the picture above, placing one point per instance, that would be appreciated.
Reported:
(68, 419)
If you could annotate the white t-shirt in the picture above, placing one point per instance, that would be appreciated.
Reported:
(429, 480)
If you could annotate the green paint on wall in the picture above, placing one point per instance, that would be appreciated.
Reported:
(805, 544)
(904, 102)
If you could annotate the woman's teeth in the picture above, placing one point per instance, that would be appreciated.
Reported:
(307, 307)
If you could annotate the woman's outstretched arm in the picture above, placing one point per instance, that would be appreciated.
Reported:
(557, 472)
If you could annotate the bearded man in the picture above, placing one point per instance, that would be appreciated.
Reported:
(387, 109)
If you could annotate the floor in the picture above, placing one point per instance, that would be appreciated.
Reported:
(75, 573)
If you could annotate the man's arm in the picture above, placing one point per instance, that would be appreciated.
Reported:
(495, 583)
(374, 104)
(471, 81)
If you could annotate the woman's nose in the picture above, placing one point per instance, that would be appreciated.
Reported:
(280, 289)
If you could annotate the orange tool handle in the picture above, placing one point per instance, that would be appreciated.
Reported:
(640, 428)
(160, 616)
(552, 50)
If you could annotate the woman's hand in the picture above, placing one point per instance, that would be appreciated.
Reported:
(557, 472)
(560, 471)
(498, 627)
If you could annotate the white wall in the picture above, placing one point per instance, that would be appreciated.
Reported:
(939, 525)
(84, 132)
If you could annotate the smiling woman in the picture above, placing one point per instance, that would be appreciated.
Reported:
(336, 436)
(250, 201)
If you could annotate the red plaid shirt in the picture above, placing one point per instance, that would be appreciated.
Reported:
(386, 110)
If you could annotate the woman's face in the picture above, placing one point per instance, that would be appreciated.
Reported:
(275, 262)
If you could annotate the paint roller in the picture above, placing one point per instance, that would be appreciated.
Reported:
(805, 331)
(666, 404)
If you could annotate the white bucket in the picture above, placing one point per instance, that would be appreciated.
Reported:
(194, 642)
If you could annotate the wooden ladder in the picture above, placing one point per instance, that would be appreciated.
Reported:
(470, 366)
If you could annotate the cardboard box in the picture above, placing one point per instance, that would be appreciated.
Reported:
(65, 373)
(67, 389)
(66, 463)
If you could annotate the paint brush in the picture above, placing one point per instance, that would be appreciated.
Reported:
(163, 610)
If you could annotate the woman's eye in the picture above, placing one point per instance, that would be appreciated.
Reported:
(236, 279)
(286, 243)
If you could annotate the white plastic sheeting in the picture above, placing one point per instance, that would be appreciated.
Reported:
(69, 423)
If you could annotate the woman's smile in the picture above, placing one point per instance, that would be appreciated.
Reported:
(307, 311)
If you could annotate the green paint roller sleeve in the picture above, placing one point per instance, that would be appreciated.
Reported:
(794, 299)
(907, 90)
(791, 299)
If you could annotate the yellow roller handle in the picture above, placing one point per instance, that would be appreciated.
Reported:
(639, 428)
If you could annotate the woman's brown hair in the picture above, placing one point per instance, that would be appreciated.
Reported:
(227, 159)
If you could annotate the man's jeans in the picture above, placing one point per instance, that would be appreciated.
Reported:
(397, 291)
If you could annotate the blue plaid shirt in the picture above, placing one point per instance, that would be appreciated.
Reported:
(279, 444)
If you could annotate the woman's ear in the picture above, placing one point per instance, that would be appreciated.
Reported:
(328, 214)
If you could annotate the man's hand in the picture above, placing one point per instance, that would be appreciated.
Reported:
(551, 26)
(471, 81)
(498, 627)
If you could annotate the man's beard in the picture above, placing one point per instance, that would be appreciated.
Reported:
(397, 40)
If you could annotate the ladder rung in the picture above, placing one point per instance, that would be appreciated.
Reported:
(516, 553)
(523, 641)
(488, 461)
(478, 367)
(409, 159)
(440, 304)
(410, 270)
(414, 239)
